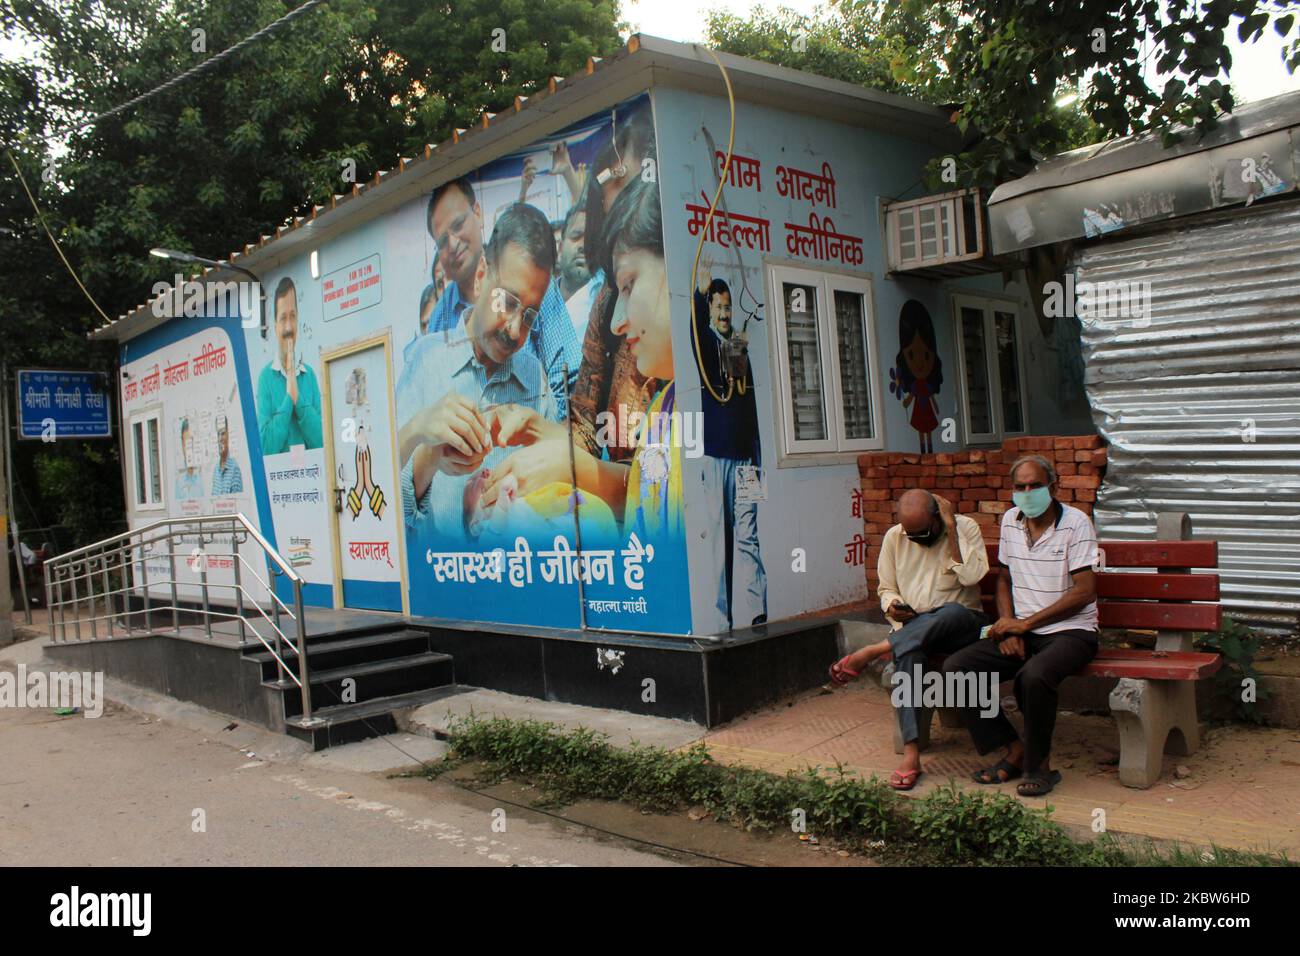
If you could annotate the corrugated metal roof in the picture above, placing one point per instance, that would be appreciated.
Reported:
(1201, 403)
(644, 61)
(1134, 152)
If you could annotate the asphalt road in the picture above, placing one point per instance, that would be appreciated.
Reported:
(126, 789)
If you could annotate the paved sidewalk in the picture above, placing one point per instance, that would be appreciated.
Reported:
(1243, 790)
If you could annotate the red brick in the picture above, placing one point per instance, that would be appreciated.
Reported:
(1004, 494)
(874, 472)
(979, 494)
(993, 481)
(1064, 494)
(1067, 468)
(961, 481)
(964, 507)
(943, 483)
(960, 457)
(1062, 442)
(994, 507)
(978, 454)
(908, 471)
(1085, 494)
(969, 469)
(943, 458)
(1083, 455)
(994, 458)
(1080, 481)
(912, 458)
(1099, 458)
(874, 529)
(1061, 455)
(1088, 441)
(876, 494)
(1085, 507)
(984, 517)
(895, 458)
(880, 517)
(1087, 469)
(897, 482)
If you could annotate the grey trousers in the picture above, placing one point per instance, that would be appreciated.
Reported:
(946, 629)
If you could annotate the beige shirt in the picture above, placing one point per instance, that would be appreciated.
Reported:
(927, 578)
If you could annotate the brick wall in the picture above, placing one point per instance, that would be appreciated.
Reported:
(975, 481)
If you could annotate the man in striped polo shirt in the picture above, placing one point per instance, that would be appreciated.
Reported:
(1046, 628)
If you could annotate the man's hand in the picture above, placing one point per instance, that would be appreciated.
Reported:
(560, 162)
(290, 376)
(533, 467)
(526, 178)
(513, 424)
(945, 511)
(1006, 627)
(1013, 647)
(457, 432)
(899, 614)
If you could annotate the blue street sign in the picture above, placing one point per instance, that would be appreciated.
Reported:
(54, 405)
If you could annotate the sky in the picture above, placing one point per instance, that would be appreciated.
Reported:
(1257, 69)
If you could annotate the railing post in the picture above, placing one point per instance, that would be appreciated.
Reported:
(90, 597)
(176, 601)
(144, 578)
(49, 600)
(203, 584)
(302, 650)
(239, 586)
(108, 596)
(76, 603)
(63, 609)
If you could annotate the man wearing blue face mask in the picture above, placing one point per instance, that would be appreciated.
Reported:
(1046, 628)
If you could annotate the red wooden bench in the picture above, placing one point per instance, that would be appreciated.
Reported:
(1154, 702)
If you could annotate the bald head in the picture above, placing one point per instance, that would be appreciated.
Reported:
(917, 511)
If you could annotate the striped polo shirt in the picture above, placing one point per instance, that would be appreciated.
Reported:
(1040, 574)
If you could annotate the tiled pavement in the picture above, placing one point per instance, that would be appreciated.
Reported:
(1243, 790)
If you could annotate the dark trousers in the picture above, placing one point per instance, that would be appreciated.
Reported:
(943, 630)
(1048, 660)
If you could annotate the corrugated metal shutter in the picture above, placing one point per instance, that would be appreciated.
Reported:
(1181, 398)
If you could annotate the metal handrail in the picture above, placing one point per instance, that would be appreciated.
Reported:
(119, 556)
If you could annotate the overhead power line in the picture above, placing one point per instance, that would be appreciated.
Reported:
(206, 65)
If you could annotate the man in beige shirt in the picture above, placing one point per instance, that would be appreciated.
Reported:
(931, 564)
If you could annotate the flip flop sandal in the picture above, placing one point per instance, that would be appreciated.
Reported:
(841, 673)
(904, 780)
(1039, 783)
(989, 775)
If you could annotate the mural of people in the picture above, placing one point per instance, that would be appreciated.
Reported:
(731, 445)
(227, 479)
(189, 483)
(917, 375)
(288, 395)
(455, 221)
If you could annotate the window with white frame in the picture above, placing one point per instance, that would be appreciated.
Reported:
(824, 338)
(992, 369)
(146, 460)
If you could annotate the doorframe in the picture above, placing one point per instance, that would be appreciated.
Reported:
(336, 542)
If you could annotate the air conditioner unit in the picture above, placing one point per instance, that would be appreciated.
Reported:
(940, 236)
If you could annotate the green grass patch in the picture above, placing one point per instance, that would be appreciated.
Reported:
(948, 826)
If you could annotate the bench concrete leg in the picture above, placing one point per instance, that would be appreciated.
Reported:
(1154, 717)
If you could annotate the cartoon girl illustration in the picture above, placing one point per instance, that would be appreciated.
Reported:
(918, 373)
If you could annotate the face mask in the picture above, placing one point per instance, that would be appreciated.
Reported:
(1032, 503)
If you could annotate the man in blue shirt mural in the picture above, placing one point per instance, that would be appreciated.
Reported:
(288, 397)
(455, 221)
(227, 479)
(731, 453)
(455, 382)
